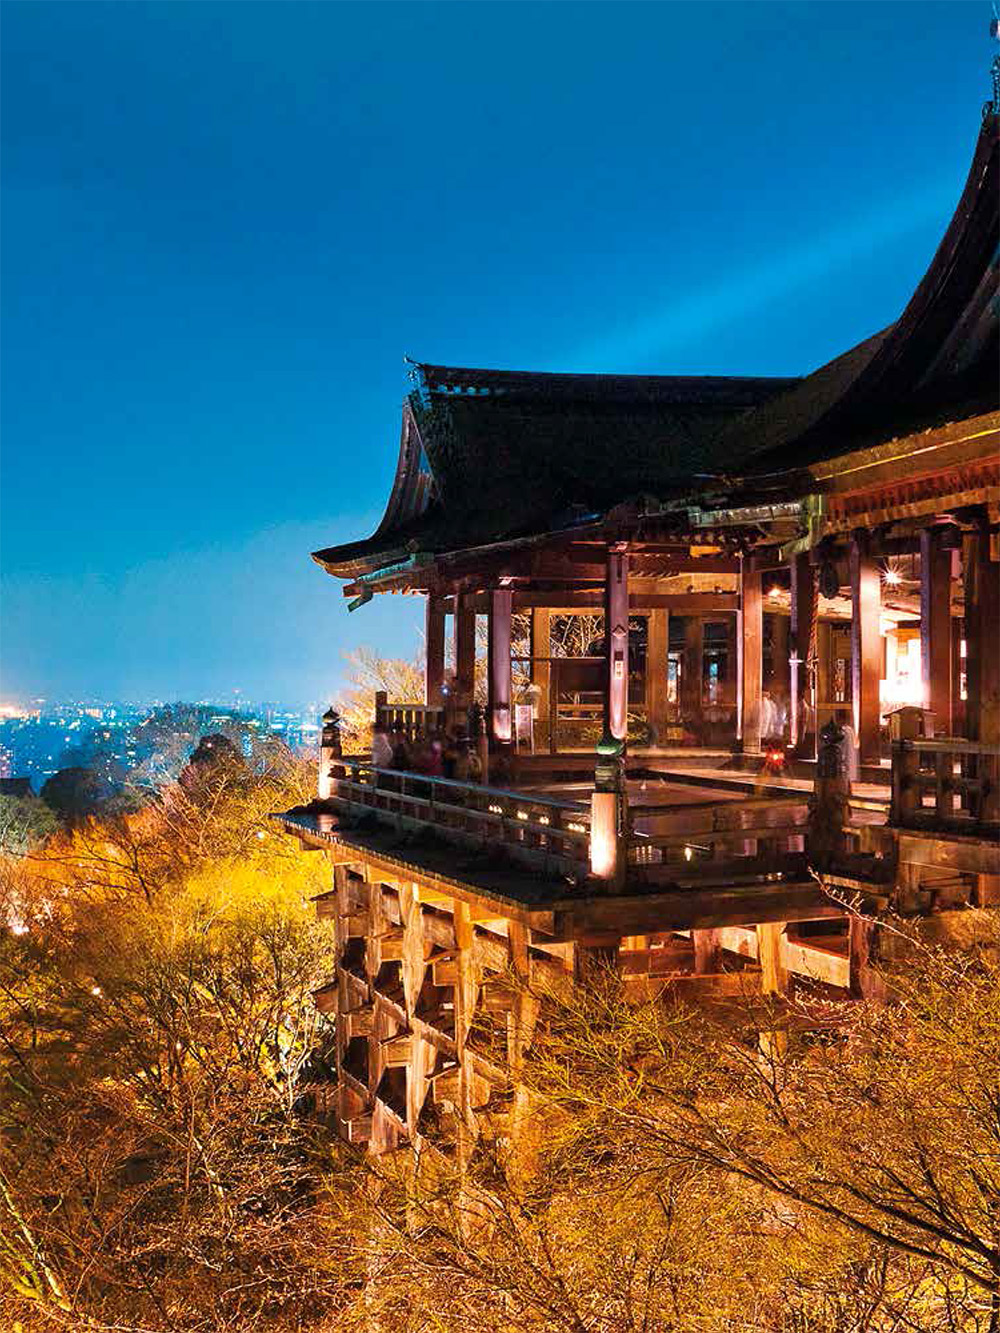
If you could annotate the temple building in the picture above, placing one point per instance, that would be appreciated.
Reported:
(741, 654)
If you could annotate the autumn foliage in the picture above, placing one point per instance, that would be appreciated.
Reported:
(167, 1160)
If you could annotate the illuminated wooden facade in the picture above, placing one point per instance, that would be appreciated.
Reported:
(759, 556)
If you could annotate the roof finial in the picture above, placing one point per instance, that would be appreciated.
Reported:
(992, 108)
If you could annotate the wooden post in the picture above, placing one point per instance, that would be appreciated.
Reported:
(986, 613)
(866, 648)
(773, 973)
(465, 651)
(801, 633)
(541, 647)
(865, 983)
(657, 647)
(691, 672)
(780, 666)
(434, 668)
(749, 646)
(616, 642)
(935, 627)
(499, 667)
(707, 950)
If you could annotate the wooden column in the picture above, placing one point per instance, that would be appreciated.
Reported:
(434, 669)
(935, 627)
(773, 973)
(616, 643)
(749, 648)
(541, 646)
(801, 628)
(864, 983)
(465, 650)
(707, 950)
(657, 646)
(499, 666)
(866, 648)
(982, 638)
(691, 670)
(780, 668)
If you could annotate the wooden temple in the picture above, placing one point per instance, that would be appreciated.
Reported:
(676, 576)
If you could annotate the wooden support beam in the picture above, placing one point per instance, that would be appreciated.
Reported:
(500, 720)
(865, 984)
(541, 647)
(707, 950)
(616, 644)
(434, 663)
(935, 626)
(750, 649)
(465, 650)
(774, 974)
(692, 665)
(780, 679)
(866, 648)
(657, 647)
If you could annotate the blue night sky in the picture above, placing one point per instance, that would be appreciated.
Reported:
(225, 224)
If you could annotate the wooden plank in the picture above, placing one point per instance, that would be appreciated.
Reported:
(815, 963)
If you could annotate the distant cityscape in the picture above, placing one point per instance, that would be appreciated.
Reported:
(145, 742)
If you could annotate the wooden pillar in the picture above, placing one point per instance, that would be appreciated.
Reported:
(434, 668)
(707, 950)
(465, 650)
(499, 666)
(935, 627)
(773, 973)
(982, 638)
(780, 668)
(657, 647)
(866, 649)
(691, 671)
(801, 630)
(541, 647)
(864, 981)
(749, 648)
(616, 643)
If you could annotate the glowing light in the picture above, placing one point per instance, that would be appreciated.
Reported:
(19, 928)
(576, 828)
(522, 814)
(96, 991)
(495, 809)
(893, 578)
(775, 591)
(688, 853)
(603, 834)
(543, 819)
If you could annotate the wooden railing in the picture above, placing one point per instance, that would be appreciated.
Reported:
(945, 783)
(539, 831)
(759, 827)
(411, 719)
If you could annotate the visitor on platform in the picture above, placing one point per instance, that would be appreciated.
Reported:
(400, 751)
(381, 749)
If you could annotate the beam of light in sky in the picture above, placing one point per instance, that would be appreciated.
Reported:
(687, 317)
